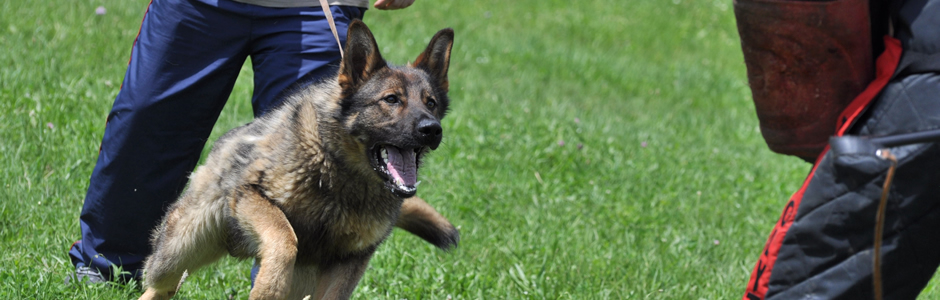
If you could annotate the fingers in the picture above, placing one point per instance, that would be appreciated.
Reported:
(392, 4)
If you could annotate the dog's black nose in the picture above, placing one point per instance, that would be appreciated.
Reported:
(429, 127)
(430, 132)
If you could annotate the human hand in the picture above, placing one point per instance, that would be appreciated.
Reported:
(392, 4)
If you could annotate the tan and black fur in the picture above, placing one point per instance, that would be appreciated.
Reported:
(307, 189)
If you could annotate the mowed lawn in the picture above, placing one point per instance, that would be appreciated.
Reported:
(594, 150)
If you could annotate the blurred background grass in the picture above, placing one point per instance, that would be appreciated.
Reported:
(594, 150)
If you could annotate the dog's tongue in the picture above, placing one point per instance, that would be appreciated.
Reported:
(401, 165)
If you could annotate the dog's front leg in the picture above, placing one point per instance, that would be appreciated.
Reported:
(422, 220)
(339, 281)
(277, 243)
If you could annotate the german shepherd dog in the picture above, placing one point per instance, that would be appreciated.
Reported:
(312, 188)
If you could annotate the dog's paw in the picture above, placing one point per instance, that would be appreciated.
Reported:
(448, 239)
(444, 236)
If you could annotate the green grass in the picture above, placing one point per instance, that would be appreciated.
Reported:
(595, 150)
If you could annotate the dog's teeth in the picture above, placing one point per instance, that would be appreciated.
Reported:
(384, 155)
(417, 183)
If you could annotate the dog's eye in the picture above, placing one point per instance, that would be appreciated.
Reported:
(431, 103)
(391, 99)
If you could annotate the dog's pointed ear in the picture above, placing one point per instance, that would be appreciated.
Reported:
(436, 58)
(362, 57)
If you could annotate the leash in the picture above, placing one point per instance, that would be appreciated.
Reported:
(329, 18)
(880, 220)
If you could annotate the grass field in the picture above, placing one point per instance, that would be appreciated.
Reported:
(594, 150)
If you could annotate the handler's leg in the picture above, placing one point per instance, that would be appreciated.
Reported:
(822, 245)
(827, 235)
(827, 232)
(293, 47)
(182, 68)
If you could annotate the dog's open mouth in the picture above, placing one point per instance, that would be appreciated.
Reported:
(399, 168)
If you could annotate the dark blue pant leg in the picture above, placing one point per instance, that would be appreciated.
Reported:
(294, 47)
(182, 69)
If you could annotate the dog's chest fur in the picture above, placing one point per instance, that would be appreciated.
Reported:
(337, 210)
(348, 220)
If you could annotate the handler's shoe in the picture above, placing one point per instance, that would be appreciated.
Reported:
(85, 275)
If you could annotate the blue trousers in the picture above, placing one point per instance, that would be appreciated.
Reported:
(182, 69)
